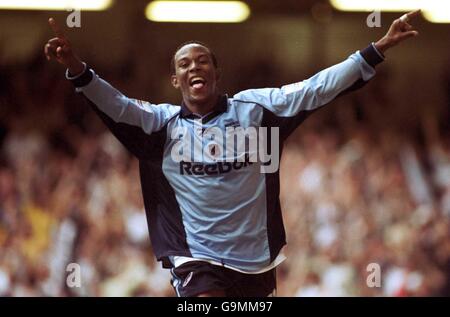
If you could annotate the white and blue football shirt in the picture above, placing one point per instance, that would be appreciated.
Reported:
(227, 212)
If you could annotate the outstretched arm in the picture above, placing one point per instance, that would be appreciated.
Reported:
(310, 94)
(132, 121)
(104, 96)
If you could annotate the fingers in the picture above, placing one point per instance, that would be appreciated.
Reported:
(409, 16)
(59, 47)
(51, 47)
(49, 51)
(60, 51)
(400, 29)
(56, 29)
(402, 24)
(406, 35)
(56, 41)
(56, 48)
(407, 26)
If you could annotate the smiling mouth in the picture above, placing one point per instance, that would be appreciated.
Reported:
(197, 82)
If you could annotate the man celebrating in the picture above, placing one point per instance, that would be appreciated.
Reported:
(215, 219)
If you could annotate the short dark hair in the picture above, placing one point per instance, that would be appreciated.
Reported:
(211, 53)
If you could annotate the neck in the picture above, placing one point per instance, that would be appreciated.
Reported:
(202, 108)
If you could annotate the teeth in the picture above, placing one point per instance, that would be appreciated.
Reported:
(197, 79)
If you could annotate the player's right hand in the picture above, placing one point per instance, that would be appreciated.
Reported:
(59, 49)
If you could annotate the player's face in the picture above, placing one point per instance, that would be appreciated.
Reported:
(195, 74)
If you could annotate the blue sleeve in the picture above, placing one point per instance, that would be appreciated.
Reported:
(138, 125)
(120, 108)
(320, 89)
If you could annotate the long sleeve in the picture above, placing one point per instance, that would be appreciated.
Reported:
(320, 89)
(137, 124)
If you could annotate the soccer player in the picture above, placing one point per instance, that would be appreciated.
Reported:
(216, 222)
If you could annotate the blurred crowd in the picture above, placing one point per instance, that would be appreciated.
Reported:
(355, 199)
(365, 204)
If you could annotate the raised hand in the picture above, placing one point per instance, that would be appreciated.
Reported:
(59, 49)
(399, 31)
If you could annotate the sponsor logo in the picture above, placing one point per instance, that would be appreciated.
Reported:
(214, 151)
(189, 168)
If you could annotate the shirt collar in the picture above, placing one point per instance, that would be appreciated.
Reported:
(220, 107)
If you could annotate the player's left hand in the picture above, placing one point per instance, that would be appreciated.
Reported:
(400, 30)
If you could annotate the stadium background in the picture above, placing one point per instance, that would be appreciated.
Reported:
(364, 180)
